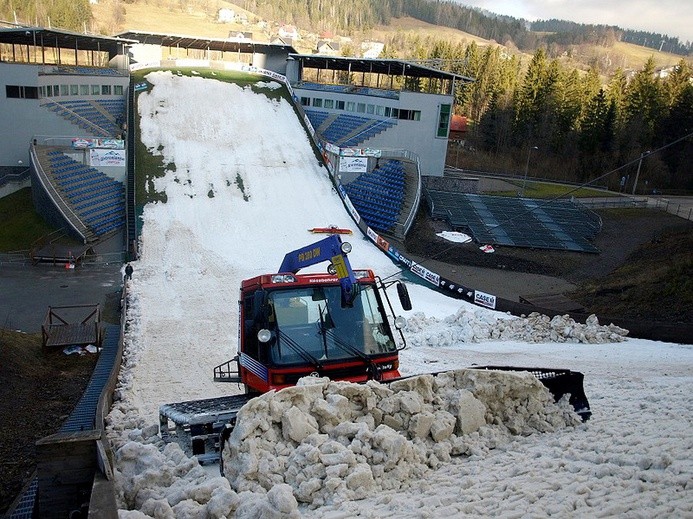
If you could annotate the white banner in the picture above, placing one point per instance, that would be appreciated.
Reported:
(104, 157)
(484, 299)
(353, 165)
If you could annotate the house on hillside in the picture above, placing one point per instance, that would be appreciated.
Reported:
(282, 41)
(240, 36)
(288, 31)
(327, 48)
(372, 49)
(458, 127)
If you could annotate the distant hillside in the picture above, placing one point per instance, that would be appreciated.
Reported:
(571, 33)
(347, 17)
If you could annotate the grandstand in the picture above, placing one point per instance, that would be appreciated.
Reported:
(347, 130)
(381, 104)
(378, 195)
(100, 118)
(92, 202)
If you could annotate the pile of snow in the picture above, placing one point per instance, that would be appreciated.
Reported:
(337, 441)
(455, 236)
(269, 85)
(475, 325)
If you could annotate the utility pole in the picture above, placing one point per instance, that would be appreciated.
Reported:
(637, 174)
(529, 154)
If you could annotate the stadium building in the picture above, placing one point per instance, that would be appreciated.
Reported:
(379, 124)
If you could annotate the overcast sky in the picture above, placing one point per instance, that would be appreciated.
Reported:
(670, 17)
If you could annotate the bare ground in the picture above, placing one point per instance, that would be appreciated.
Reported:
(38, 391)
(643, 270)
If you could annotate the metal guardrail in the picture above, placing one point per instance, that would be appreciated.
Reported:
(15, 177)
(672, 207)
(518, 176)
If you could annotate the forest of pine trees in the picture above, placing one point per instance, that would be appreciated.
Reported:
(582, 127)
(73, 15)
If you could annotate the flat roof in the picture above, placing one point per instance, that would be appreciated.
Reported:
(376, 66)
(203, 43)
(40, 37)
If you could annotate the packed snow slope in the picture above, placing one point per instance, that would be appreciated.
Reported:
(243, 185)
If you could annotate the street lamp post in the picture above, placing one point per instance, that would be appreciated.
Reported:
(529, 154)
(637, 174)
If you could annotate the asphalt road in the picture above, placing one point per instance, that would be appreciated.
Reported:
(27, 291)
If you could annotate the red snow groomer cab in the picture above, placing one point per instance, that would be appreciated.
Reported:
(339, 325)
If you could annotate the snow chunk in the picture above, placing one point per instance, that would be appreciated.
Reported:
(340, 441)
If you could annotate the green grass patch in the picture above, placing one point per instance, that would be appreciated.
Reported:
(21, 224)
(535, 189)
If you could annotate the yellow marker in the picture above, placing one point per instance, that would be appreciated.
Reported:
(340, 266)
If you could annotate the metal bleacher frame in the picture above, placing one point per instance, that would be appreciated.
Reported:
(520, 222)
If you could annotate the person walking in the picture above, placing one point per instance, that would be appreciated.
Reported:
(128, 271)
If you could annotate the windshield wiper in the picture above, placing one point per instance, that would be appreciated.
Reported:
(373, 371)
(300, 350)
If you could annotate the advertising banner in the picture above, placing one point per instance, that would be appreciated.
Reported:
(484, 299)
(84, 143)
(360, 152)
(353, 164)
(106, 157)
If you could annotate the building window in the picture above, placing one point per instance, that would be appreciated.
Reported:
(443, 121)
(64, 90)
(95, 89)
(42, 91)
(74, 90)
(351, 106)
(84, 90)
(305, 101)
(56, 90)
(21, 92)
(49, 90)
(329, 103)
(370, 109)
(118, 90)
(361, 108)
(339, 105)
(380, 110)
(105, 90)
(317, 103)
(410, 115)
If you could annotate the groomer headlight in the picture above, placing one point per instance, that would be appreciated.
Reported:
(264, 335)
(346, 247)
(283, 278)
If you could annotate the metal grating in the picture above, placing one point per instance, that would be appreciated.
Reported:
(518, 222)
(24, 508)
(82, 417)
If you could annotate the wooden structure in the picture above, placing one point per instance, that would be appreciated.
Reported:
(57, 330)
(66, 466)
(56, 253)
